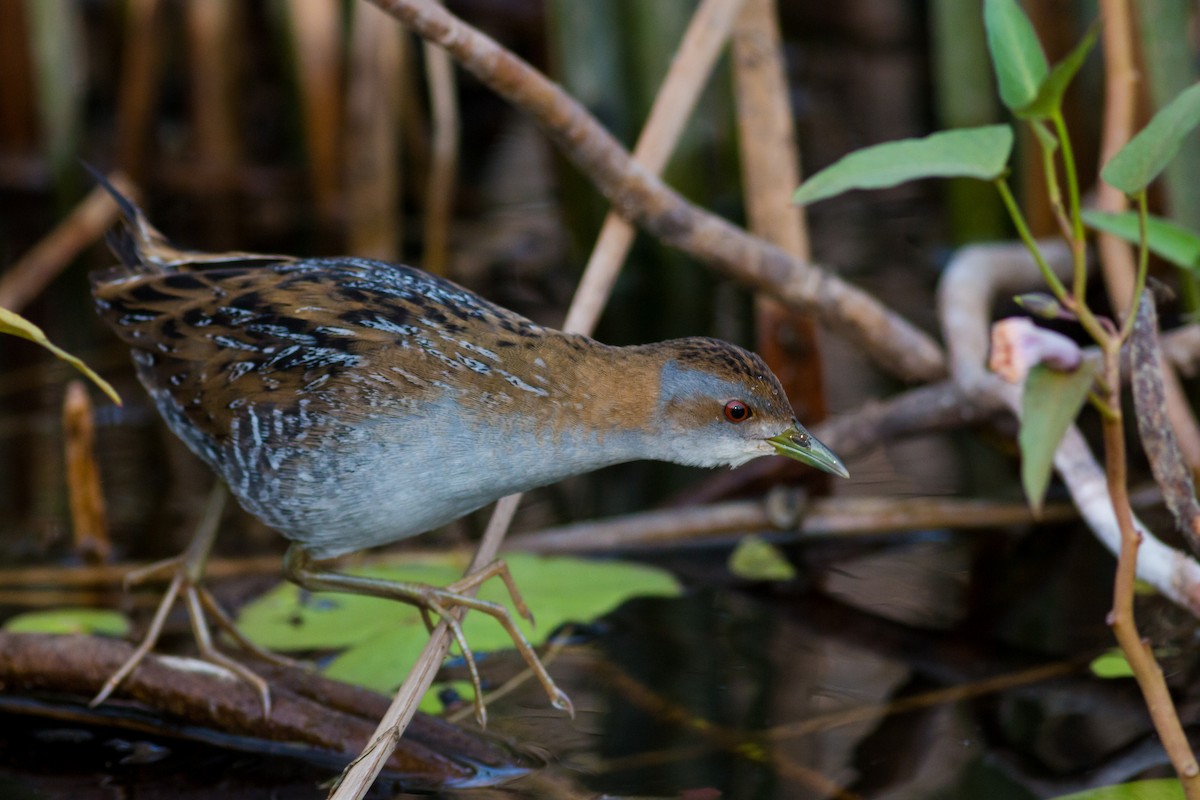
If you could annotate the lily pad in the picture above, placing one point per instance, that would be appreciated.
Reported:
(380, 640)
(70, 620)
(756, 559)
(1160, 789)
(1111, 664)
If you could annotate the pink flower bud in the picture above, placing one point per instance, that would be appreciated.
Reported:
(1018, 344)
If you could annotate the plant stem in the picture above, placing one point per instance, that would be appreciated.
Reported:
(1077, 240)
(1086, 318)
(1137, 651)
(1019, 223)
(1142, 267)
(1051, 177)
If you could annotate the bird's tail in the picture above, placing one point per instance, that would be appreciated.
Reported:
(141, 247)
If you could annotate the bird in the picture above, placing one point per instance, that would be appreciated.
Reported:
(349, 403)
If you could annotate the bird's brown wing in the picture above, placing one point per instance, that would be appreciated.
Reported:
(330, 332)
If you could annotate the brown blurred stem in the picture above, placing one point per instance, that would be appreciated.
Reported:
(26, 279)
(89, 523)
(1124, 284)
(1137, 650)
(1122, 80)
(770, 173)
(702, 43)
(443, 172)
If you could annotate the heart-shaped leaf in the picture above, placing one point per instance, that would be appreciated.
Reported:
(1048, 99)
(1017, 55)
(1050, 403)
(965, 153)
(1146, 155)
(1166, 240)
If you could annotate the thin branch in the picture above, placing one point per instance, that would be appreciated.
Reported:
(26, 279)
(443, 171)
(783, 512)
(688, 75)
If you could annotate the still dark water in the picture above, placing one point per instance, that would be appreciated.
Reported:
(934, 666)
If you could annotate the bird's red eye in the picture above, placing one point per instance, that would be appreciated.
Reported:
(737, 411)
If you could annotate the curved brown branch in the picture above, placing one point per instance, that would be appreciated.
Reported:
(309, 710)
(642, 198)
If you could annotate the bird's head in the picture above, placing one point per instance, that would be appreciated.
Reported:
(720, 405)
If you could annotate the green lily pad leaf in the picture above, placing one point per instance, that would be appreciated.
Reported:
(1051, 402)
(382, 663)
(70, 620)
(1111, 664)
(965, 153)
(1158, 789)
(756, 559)
(381, 639)
(1146, 155)
(17, 325)
(431, 703)
(1048, 99)
(288, 619)
(1166, 240)
(1017, 55)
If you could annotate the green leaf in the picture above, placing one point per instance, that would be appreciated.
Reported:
(380, 639)
(70, 620)
(1048, 100)
(1111, 664)
(1144, 156)
(756, 559)
(17, 325)
(1017, 55)
(1158, 789)
(1051, 402)
(965, 153)
(1166, 240)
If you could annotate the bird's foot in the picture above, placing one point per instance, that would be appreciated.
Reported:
(442, 601)
(197, 600)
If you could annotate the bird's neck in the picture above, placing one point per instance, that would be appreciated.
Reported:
(595, 405)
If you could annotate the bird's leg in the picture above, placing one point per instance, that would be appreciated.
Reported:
(300, 568)
(187, 573)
